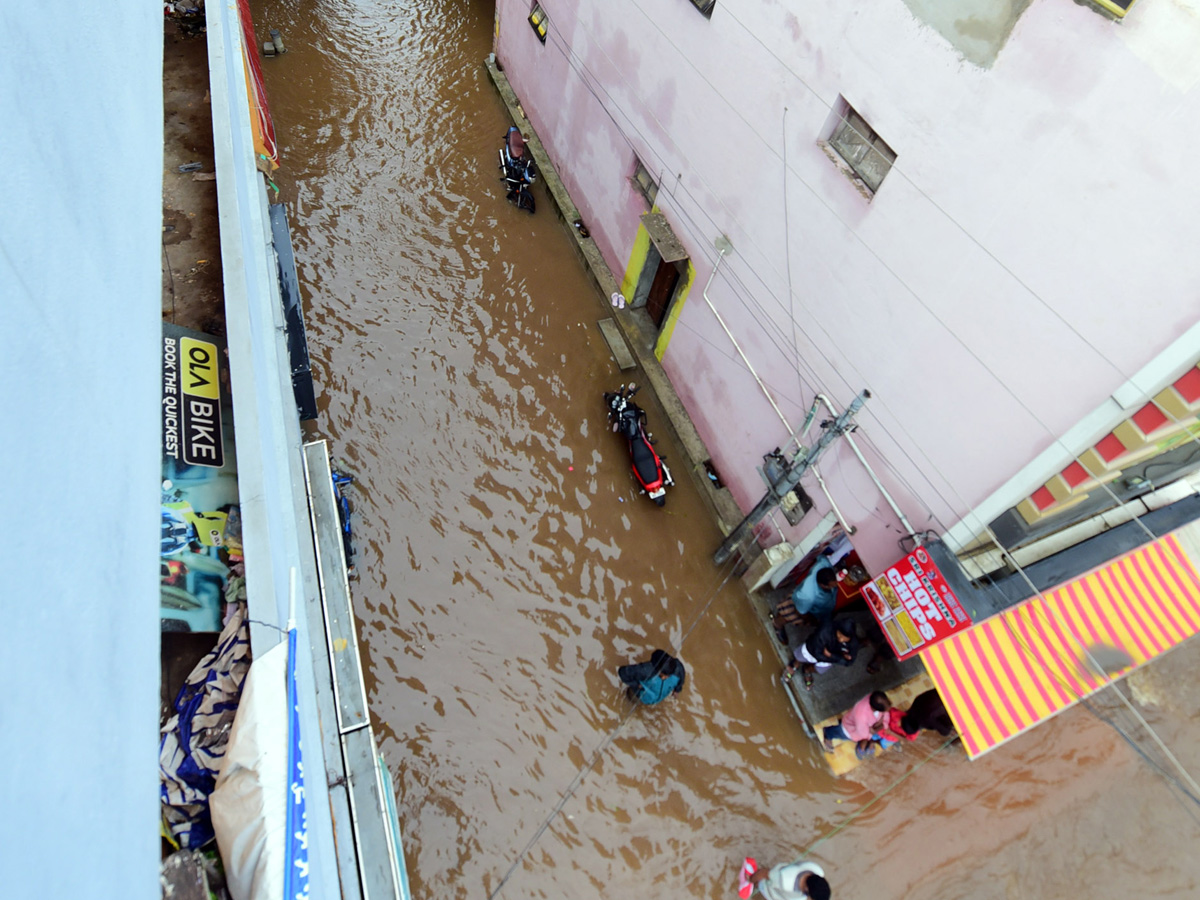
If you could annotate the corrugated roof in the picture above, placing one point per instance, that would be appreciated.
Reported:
(1024, 665)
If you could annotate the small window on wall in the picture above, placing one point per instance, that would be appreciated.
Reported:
(1116, 8)
(537, 18)
(705, 7)
(645, 183)
(865, 154)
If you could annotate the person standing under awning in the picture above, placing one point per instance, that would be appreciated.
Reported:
(816, 597)
(835, 643)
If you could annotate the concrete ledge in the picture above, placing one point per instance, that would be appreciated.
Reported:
(635, 324)
(616, 343)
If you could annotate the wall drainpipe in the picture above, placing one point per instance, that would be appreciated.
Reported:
(723, 246)
(912, 533)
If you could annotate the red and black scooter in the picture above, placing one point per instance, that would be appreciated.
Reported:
(630, 420)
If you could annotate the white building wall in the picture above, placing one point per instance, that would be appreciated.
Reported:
(80, 297)
(1030, 251)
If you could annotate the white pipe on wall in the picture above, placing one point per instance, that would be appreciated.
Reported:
(723, 246)
(875, 478)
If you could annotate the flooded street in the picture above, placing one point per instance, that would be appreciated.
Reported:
(506, 565)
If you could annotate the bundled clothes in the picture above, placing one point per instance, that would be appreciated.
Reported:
(892, 730)
(193, 741)
(652, 682)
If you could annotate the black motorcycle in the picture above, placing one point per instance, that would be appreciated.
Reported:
(629, 419)
(516, 165)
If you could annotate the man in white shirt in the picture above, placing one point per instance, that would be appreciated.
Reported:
(792, 881)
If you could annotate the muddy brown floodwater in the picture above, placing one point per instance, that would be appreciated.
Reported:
(506, 566)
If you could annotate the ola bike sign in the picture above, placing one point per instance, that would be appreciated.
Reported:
(191, 401)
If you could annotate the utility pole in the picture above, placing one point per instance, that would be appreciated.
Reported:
(801, 462)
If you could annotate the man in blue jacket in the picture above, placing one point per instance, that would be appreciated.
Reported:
(652, 682)
(816, 596)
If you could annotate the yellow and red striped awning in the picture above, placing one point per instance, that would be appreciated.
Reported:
(1015, 669)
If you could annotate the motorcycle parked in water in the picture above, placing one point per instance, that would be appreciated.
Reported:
(516, 164)
(630, 420)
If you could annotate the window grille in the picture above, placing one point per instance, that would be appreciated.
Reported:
(537, 18)
(645, 183)
(863, 150)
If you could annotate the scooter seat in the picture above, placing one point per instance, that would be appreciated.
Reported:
(644, 461)
(516, 145)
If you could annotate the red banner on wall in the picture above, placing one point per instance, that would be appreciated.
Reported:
(914, 605)
(260, 113)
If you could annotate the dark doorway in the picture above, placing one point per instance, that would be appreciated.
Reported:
(662, 289)
(666, 261)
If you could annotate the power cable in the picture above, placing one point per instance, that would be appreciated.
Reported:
(1135, 713)
(1195, 788)
(814, 93)
(1086, 653)
(571, 788)
(567, 51)
(1154, 764)
(921, 302)
(1190, 790)
(1097, 670)
(787, 243)
(687, 58)
(1082, 699)
(583, 72)
(1106, 487)
(804, 854)
(568, 54)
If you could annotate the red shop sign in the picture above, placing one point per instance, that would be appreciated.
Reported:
(914, 605)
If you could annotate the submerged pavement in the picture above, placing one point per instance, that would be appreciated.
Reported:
(507, 566)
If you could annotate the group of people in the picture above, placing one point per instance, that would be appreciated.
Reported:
(873, 722)
(870, 722)
(834, 641)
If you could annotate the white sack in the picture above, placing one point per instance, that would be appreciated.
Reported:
(249, 804)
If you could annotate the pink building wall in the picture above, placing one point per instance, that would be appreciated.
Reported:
(1031, 250)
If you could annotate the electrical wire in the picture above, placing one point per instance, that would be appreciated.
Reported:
(583, 72)
(1097, 670)
(924, 305)
(1084, 651)
(580, 68)
(804, 854)
(949, 331)
(787, 243)
(686, 58)
(1103, 485)
(597, 753)
(568, 54)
